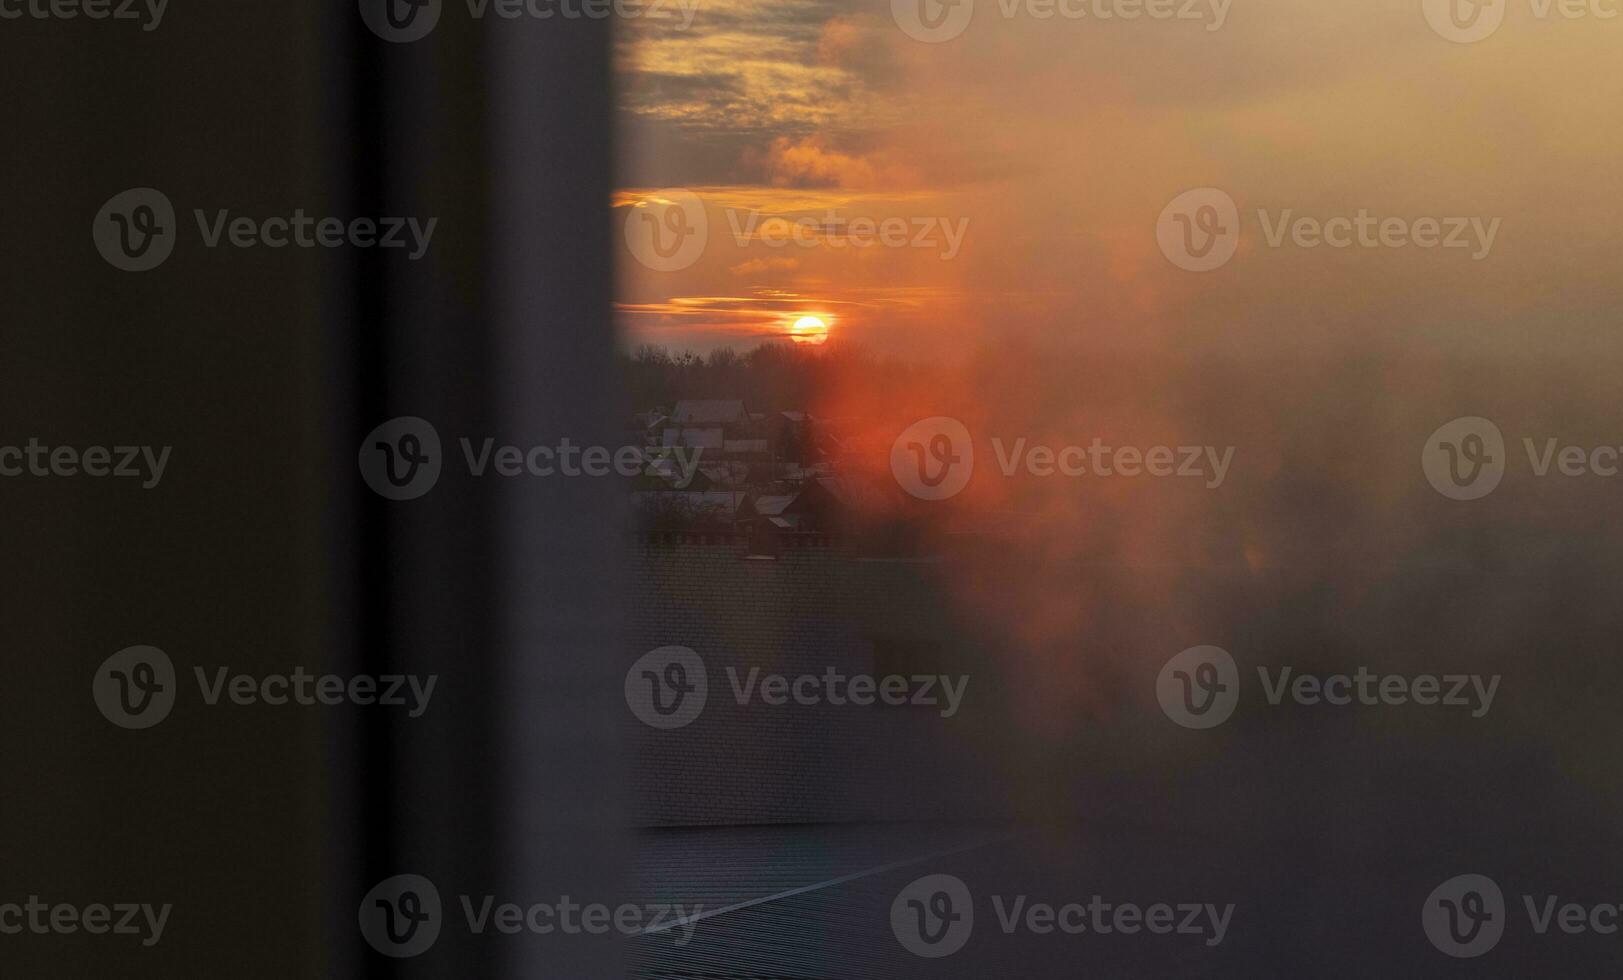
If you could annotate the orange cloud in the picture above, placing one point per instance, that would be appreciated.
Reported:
(757, 266)
(809, 162)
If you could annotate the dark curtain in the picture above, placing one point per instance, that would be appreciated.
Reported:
(262, 550)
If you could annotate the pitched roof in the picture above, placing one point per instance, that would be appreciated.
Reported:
(774, 504)
(710, 411)
(694, 438)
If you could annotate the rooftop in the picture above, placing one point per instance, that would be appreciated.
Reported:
(702, 412)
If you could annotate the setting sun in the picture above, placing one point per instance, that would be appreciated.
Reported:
(809, 330)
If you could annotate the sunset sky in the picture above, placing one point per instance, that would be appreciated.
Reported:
(1051, 146)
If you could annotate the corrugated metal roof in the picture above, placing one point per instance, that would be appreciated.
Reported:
(784, 902)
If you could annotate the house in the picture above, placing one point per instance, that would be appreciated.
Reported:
(814, 506)
(667, 473)
(693, 437)
(787, 461)
(705, 412)
(681, 509)
(747, 447)
(706, 424)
